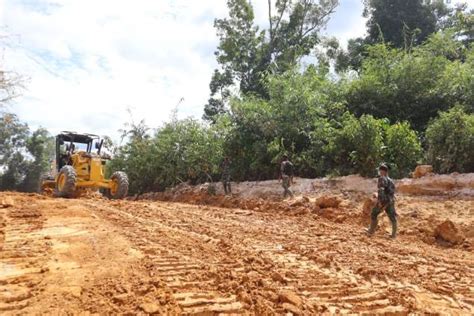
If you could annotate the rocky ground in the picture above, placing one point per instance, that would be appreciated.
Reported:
(187, 253)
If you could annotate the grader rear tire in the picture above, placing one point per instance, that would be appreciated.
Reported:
(119, 188)
(66, 183)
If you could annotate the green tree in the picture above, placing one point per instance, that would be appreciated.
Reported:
(23, 157)
(400, 24)
(413, 85)
(135, 157)
(289, 121)
(180, 151)
(402, 149)
(450, 141)
(357, 147)
(13, 136)
(40, 146)
(246, 54)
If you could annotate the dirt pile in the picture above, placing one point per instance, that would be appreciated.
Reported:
(6, 202)
(367, 207)
(441, 185)
(422, 171)
(448, 231)
(424, 183)
(325, 206)
(328, 202)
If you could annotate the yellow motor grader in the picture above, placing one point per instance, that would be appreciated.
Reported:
(77, 168)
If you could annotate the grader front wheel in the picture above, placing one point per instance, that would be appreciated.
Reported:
(66, 182)
(119, 186)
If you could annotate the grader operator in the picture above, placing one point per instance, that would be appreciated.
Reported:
(77, 168)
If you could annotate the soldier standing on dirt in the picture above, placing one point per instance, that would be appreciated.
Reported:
(225, 169)
(286, 174)
(385, 201)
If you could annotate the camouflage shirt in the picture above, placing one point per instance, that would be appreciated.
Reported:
(225, 168)
(286, 168)
(386, 189)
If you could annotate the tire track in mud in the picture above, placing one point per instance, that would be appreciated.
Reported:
(201, 260)
(203, 252)
(396, 275)
(323, 289)
(22, 258)
(170, 256)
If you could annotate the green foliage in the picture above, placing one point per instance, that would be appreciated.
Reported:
(402, 149)
(406, 24)
(41, 147)
(402, 22)
(180, 151)
(358, 146)
(13, 135)
(23, 157)
(450, 141)
(413, 85)
(260, 130)
(246, 54)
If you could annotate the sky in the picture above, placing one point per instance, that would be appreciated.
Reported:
(90, 63)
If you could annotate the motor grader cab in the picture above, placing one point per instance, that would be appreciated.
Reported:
(78, 167)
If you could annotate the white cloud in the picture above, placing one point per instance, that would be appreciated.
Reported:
(89, 60)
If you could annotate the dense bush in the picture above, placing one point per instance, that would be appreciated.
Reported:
(402, 149)
(358, 146)
(413, 85)
(180, 151)
(24, 156)
(450, 141)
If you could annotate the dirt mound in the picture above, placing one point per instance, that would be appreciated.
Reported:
(452, 184)
(422, 171)
(448, 231)
(6, 202)
(329, 207)
(367, 207)
(328, 201)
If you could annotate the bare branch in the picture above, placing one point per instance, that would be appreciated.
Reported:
(320, 20)
(281, 14)
(270, 19)
(11, 85)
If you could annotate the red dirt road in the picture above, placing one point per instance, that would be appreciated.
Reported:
(87, 256)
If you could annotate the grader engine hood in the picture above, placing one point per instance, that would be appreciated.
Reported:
(97, 173)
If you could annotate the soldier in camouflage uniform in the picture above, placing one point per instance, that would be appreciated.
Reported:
(286, 175)
(225, 169)
(385, 201)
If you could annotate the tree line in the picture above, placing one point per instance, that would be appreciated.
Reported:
(403, 94)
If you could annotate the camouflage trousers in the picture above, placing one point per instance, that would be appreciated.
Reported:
(286, 186)
(226, 184)
(389, 208)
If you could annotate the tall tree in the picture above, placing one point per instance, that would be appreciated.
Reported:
(246, 53)
(13, 135)
(40, 146)
(400, 23)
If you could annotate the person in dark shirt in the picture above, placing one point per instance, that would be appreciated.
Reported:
(286, 175)
(385, 201)
(225, 171)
